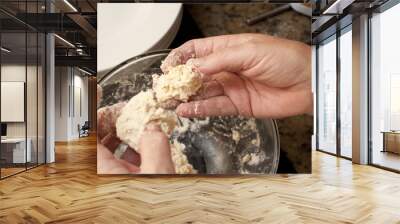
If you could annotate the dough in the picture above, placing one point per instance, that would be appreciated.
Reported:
(236, 136)
(182, 165)
(180, 83)
(174, 58)
(140, 110)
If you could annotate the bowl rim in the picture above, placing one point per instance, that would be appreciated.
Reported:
(130, 60)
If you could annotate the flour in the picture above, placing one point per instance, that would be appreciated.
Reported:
(254, 159)
(180, 83)
(236, 136)
(139, 111)
(174, 58)
(182, 165)
(193, 126)
(245, 159)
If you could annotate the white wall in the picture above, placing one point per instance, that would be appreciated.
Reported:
(33, 127)
(70, 84)
(16, 73)
(79, 103)
(61, 103)
(11, 73)
(80, 118)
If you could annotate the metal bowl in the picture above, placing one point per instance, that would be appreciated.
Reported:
(217, 145)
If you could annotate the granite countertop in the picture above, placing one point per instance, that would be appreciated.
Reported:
(219, 19)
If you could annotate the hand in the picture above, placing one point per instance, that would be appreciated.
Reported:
(155, 151)
(252, 75)
(154, 157)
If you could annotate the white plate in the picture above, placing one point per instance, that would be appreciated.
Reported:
(125, 30)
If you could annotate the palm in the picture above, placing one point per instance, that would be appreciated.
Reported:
(255, 99)
(256, 75)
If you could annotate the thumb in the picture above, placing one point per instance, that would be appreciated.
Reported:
(232, 59)
(155, 152)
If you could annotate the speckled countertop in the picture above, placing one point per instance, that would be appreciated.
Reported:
(218, 19)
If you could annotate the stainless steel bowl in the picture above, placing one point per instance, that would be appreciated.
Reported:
(210, 147)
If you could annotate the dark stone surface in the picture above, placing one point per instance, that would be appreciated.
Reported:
(217, 19)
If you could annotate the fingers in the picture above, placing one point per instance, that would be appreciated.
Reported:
(209, 89)
(205, 46)
(284, 104)
(106, 118)
(155, 152)
(215, 106)
(108, 164)
(131, 156)
(170, 104)
(173, 59)
(202, 47)
(210, 100)
(111, 142)
(232, 59)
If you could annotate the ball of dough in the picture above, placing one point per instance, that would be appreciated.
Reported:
(138, 112)
(180, 83)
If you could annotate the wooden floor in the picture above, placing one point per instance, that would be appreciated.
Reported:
(69, 191)
(5, 172)
(10, 171)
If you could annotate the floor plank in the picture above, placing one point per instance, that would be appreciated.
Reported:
(70, 191)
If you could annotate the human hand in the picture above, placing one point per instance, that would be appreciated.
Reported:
(253, 75)
(152, 157)
(154, 151)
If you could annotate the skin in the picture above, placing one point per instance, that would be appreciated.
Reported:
(152, 157)
(252, 75)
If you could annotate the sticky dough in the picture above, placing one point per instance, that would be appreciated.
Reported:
(182, 165)
(139, 111)
(179, 83)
